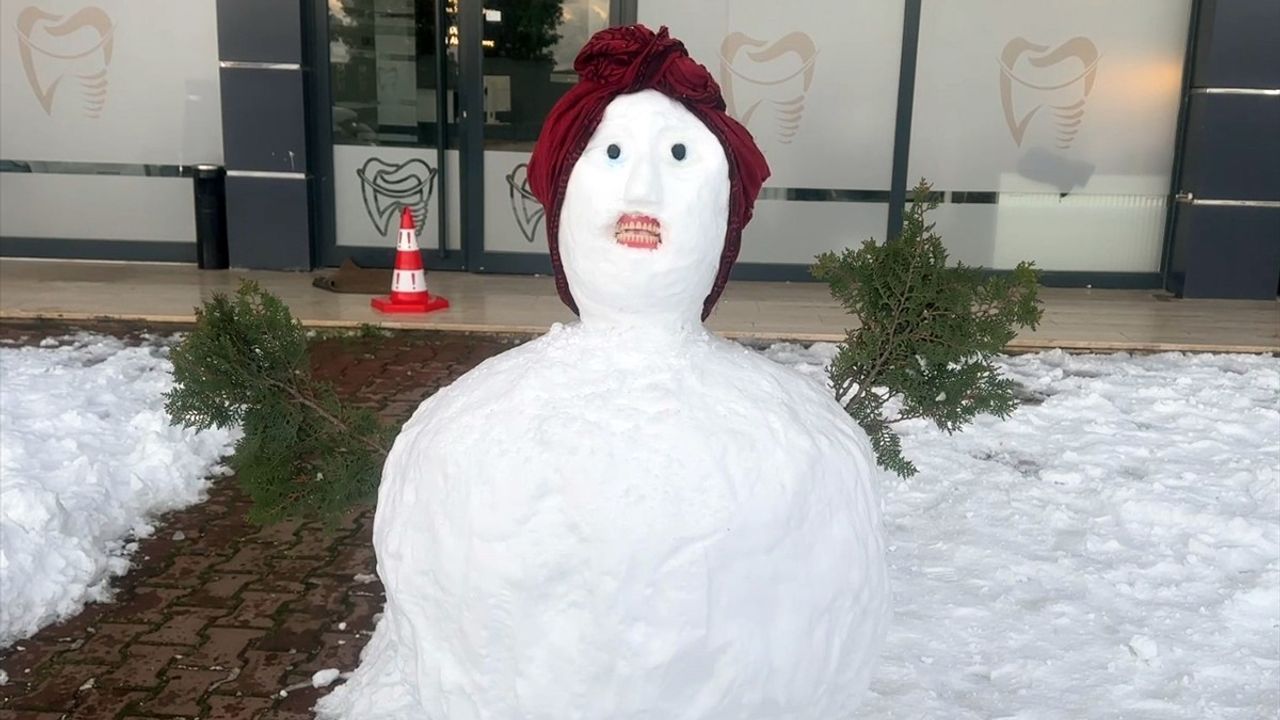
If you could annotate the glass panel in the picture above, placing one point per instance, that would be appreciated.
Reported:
(816, 83)
(529, 47)
(99, 82)
(1080, 232)
(512, 216)
(372, 184)
(96, 89)
(97, 207)
(772, 235)
(1067, 111)
(384, 69)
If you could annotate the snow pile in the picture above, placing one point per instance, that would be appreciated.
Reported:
(625, 524)
(324, 678)
(1111, 551)
(87, 456)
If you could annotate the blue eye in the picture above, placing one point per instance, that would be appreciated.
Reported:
(613, 151)
(678, 151)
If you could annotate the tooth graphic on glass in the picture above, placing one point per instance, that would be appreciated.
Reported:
(524, 205)
(65, 57)
(765, 84)
(1047, 87)
(386, 187)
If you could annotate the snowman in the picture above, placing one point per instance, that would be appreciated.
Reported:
(629, 517)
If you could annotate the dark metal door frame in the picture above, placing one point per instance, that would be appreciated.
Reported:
(471, 128)
(1180, 136)
(318, 99)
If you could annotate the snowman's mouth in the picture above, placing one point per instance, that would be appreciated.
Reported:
(638, 231)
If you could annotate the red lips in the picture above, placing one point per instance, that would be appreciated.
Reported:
(638, 231)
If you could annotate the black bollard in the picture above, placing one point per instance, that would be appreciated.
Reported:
(211, 217)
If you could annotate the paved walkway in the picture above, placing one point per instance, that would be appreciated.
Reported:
(1074, 318)
(218, 616)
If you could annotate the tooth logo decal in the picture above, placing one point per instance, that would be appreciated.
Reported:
(387, 187)
(765, 85)
(524, 205)
(67, 53)
(1034, 76)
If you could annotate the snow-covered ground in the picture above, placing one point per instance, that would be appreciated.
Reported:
(87, 458)
(1111, 551)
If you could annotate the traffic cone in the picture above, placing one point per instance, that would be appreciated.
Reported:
(409, 280)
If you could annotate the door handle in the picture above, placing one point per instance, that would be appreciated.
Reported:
(1187, 198)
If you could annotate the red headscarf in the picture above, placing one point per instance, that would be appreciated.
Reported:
(622, 60)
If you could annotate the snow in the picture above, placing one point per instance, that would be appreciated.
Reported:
(325, 678)
(672, 517)
(87, 459)
(1113, 550)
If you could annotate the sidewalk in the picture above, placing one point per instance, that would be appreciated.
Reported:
(1074, 319)
(217, 616)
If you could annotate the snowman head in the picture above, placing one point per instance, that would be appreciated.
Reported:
(647, 182)
(643, 222)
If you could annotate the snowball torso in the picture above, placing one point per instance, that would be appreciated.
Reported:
(602, 525)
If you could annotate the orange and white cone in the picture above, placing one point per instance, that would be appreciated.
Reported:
(409, 279)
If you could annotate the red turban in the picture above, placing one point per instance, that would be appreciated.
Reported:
(622, 60)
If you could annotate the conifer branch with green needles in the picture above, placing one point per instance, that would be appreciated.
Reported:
(927, 333)
(303, 453)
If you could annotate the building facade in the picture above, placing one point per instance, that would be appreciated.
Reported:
(1115, 143)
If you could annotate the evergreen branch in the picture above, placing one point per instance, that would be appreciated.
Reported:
(302, 451)
(298, 397)
(927, 334)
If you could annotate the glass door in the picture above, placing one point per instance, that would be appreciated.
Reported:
(528, 48)
(436, 107)
(394, 87)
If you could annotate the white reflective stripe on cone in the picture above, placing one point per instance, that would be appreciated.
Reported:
(407, 240)
(409, 281)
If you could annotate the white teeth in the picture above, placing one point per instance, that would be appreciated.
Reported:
(639, 240)
(638, 224)
(643, 233)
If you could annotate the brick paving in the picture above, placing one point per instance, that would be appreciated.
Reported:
(218, 616)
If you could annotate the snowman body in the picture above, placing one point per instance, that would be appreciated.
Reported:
(628, 518)
(604, 525)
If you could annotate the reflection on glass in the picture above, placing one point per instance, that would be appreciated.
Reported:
(383, 58)
(529, 47)
(581, 19)
(384, 76)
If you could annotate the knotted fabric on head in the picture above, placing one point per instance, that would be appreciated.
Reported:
(622, 60)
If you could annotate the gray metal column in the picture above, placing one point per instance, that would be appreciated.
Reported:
(1226, 232)
(264, 138)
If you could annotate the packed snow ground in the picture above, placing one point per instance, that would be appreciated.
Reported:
(87, 458)
(1111, 551)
